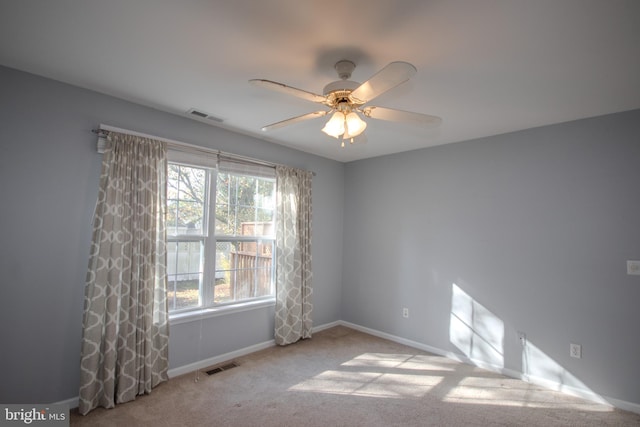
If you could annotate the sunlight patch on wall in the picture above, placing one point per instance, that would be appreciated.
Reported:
(539, 368)
(479, 334)
(475, 330)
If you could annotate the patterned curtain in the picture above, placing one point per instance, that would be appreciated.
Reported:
(293, 255)
(125, 325)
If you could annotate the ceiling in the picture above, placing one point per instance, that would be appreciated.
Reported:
(484, 66)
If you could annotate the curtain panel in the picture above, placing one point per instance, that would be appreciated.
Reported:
(293, 259)
(125, 323)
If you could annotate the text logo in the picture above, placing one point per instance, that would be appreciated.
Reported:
(37, 415)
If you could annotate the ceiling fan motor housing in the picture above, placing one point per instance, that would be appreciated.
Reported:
(344, 69)
(338, 92)
(346, 86)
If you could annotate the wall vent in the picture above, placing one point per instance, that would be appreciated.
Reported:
(226, 367)
(202, 115)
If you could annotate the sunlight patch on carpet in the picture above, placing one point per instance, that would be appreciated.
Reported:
(402, 361)
(377, 375)
(514, 393)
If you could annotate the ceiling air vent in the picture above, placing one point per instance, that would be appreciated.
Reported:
(202, 115)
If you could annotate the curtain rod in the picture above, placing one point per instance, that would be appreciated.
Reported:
(104, 130)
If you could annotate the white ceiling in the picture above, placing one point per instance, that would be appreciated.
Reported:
(485, 66)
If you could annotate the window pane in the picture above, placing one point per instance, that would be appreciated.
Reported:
(245, 220)
(225, 272)
(189, 258)
(223, 255)
(256, 228)
(244, 270)
(222, 188)
(186, 197)
(184, 273)
(192, 184)
(264, 264)
(225, 219)
(222, 290)
(190, 217)
(233, 187)
(266, 190)
(247, 201)
(183, 292)
(173, 177)
(246, 191)
(265, 215)
(172, 217)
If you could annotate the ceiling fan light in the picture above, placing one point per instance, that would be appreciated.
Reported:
(335, 126)
(354, 125)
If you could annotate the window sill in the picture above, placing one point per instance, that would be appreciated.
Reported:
(196, 315)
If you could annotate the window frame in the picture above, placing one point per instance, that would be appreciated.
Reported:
(203, 238)
(210, 239)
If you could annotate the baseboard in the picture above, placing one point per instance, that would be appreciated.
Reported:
(624, 405)
(191, 367)
(325, 326)
(542, 382)
(71, 403)
(186, 369)
(407, 342)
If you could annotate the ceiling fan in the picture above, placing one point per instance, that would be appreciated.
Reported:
(347, 99)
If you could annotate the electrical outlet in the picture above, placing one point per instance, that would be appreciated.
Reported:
(405, 312)
(523, 338)
(633, 268)
(575, 351)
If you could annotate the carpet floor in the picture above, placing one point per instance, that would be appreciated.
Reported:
(343, 377)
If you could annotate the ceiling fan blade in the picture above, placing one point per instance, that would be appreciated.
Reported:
(389, 77)
(293, 120)
(282, 88)
(394, 115)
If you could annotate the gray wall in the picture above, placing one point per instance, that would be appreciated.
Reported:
(533, 228)
(527, 231)
(49, 171)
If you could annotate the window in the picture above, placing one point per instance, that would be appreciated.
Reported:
(220, 235)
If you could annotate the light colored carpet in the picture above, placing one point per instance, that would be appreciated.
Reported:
(342, 377)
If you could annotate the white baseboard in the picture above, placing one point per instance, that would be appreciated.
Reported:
(71, 403)
(400, 340)
(191, 367)
(542, 382)
(185, 369)
(624, 405)
(326, 326)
